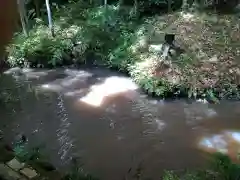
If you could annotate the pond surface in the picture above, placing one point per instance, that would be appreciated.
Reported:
(103, 118)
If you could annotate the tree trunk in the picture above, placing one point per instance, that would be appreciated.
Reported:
(23, 18)
(24, 12)
(37, 8)
(50, 23)
(169, 5)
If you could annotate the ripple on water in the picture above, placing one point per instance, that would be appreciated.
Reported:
(198, 111)
(129, 123)
(64, 139)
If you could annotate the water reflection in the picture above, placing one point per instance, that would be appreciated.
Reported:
(26, 73)
(227, 142)
(198, 111)
(234, 135)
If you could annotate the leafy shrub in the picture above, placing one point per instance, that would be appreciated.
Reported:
(220, 167)
(220, 5)
(41, 49)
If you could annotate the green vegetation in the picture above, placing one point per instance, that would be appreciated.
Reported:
(220, 167)
(122, 34)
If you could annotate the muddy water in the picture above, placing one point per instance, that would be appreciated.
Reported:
(103, 117)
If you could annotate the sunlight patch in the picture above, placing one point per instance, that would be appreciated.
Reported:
(69, 81)
(187, 16)
(234, 135)
(35, 75)
(51, 87)
(204, 101)
(27, 70)
(111, 86)
(160, 124)
(78, 73)
(74, 93)
(13, 71)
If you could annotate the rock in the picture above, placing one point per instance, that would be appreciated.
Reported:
(8, 173)
(30, 173)
(15, 164)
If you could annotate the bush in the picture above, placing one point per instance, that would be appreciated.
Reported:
(104, 34)
(160, 5)
(40, 49)
(220, 167)
(219, 5)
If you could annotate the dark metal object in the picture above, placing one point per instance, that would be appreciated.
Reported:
(169, 39)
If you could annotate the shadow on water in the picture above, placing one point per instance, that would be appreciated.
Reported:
(103, 117)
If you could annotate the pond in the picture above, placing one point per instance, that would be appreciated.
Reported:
(103, 117)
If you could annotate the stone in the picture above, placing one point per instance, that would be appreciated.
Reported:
(9, 174)
(15, 164)
(28, 172)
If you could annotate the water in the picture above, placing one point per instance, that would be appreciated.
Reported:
(103, 118)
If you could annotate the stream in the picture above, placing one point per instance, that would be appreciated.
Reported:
(103, 118)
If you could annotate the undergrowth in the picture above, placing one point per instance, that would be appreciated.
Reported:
(114, 36)
(220, 167)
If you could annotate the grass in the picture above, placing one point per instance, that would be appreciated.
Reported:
(114, 37)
